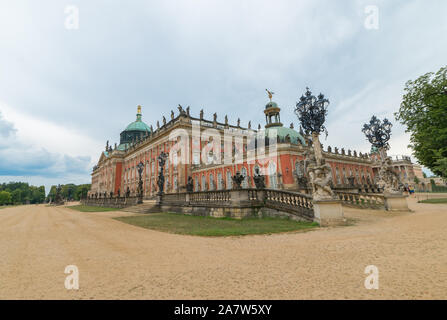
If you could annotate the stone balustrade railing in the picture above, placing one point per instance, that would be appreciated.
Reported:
(292, 202)
(286, 201)
(114, 202)
(362, 200)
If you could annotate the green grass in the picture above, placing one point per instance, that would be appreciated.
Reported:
(214, 227)
(440, 200)
(92, 208)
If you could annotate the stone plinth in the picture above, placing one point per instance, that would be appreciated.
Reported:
(238, 198)
(396, 202)
(328, 212)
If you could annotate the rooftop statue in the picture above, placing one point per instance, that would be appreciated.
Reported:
(181, 111)
(270, 94)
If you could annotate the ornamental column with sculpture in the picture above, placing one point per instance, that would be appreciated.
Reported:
(378, 134)
(311, 112)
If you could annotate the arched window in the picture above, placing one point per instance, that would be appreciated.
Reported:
(299, 169)
(203, 183)
(196, 184)
(175, 183)
(245, 181)
(345, 179)
(229, 181)
(337, 175)
(175, 159)
(219, 181)
(272, 175)
(211, 178)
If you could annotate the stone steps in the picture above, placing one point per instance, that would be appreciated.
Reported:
(145, 207)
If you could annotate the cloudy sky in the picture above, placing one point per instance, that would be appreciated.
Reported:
(65, 91)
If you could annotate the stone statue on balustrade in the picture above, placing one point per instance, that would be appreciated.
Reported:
(259, 180)
(237, 180)
(388, 180)
(190, 184)
(320, 176)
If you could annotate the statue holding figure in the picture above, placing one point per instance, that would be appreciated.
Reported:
(270, 94)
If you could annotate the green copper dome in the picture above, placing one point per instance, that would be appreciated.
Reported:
(138, 126)
(282, 133)
(133, 131)
(271, 104)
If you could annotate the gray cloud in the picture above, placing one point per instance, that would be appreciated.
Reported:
(6, 128)
(216, 55)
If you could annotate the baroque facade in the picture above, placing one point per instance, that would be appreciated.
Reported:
(211, 152)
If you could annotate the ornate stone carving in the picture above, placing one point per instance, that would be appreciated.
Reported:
(237, 180)
(388, 180)
(259, 180)
(161, 179)
(190, 184)
(319, 172)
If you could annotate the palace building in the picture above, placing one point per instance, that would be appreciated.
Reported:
(211, 152)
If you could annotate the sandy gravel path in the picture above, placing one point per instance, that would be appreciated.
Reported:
(120, 261)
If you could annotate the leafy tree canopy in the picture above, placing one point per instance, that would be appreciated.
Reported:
(23, 193)
(424, 112)
(70, 191)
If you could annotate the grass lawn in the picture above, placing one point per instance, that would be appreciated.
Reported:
(215, 227)
(92, 208)
(440, 200)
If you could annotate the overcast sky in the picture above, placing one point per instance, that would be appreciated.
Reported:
(65, 92)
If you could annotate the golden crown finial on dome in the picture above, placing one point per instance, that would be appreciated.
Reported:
(139, 109)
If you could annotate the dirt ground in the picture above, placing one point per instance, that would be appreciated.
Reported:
(120, 261)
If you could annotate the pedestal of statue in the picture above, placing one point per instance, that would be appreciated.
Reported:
(328, 212)
(396, 202)
(238, 197)
(158, 199)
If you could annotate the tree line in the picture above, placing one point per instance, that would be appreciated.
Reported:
(16, 193)
(13, 193)
(70, 192)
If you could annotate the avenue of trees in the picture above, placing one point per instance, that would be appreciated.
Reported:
(20, 193)
(424, 112)
(70, 191)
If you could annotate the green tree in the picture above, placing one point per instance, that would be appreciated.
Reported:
(424, 112)
(5, 198)
(416, 180)
(81, 191)
(16, 196)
